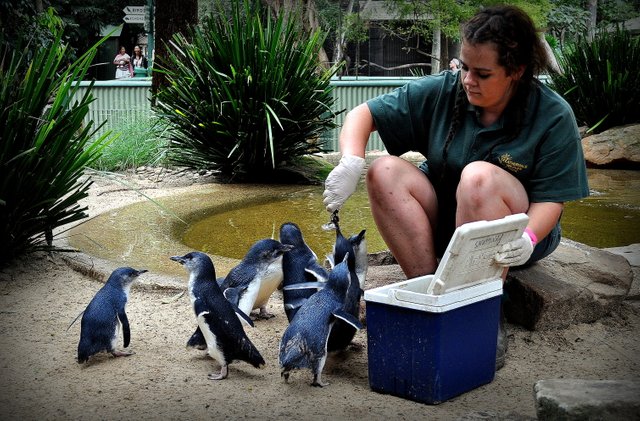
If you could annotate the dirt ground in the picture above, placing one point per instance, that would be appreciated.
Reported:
(40, 378)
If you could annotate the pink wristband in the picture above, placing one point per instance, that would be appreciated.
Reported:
(531, 235)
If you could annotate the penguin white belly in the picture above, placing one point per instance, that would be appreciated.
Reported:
(212, 344)
(246, 303)
(116, 333)
(270, 278)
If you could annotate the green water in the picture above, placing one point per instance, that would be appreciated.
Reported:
(610, 217)
(231, 233)
(225, 220)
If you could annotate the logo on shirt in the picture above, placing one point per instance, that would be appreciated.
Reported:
(508, 162)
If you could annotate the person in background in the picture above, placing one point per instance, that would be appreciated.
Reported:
(123, 64)
(454, 64)
(140, 63)
(496, 141)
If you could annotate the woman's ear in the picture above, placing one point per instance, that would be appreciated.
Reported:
(518, 73)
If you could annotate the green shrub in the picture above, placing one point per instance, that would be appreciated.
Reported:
(246, 94)
(140, 142)
(601, 80)
(43, 146)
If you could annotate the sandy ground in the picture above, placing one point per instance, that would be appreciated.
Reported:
(40, 378)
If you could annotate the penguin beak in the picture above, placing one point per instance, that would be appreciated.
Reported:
(141, 271)
(178, 259)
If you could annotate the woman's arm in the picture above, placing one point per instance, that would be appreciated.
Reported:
(357, 127)
(543, 216)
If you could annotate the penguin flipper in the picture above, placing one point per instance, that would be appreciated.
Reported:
(233, 294)
(295, 303)
(317, 271)
(243, 317)
(126, 332)
(347, 318)
(305, 285)
(250, 353)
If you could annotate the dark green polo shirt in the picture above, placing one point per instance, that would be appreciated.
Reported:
(546, 155)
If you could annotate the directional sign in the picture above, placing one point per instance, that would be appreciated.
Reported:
(135, 10)
(134, 18)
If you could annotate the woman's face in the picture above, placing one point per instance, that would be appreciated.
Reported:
(484, 80)
(123, 50)
(136, 50)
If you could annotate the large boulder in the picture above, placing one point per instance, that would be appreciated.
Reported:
(579, 399)
(575, 284)
(616, 147)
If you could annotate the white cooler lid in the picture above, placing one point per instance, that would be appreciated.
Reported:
(467, 272)
(468, 259)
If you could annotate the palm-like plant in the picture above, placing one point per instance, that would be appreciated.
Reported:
(246, 95)
(600, 79)
(44, 147)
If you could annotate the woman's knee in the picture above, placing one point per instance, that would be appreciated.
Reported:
(383, 171)
(483, 184)
(477, 182)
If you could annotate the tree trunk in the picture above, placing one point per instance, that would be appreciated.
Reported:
(171, 17)
(593, 11)
(340, 47)
(435, 51)
(553, 63)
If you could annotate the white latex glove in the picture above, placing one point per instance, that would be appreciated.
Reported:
(515, 253)
(342, 181)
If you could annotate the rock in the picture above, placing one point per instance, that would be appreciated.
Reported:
(575, 399)
(381, 258)
(494, 416)
(616, 147)
(575, 284)
(632, 254)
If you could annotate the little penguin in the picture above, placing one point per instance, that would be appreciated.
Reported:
(224, 335)
(250, 284)
(299, 265)
(342, 333)
(105, 314)
(304, 342)
(359, 245)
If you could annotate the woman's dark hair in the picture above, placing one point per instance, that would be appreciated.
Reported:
(513, 33)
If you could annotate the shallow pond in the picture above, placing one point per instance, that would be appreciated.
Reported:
(225, 220)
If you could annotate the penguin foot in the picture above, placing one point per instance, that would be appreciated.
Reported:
(264, 314)
(318, 383)
(286, 376)
(224, 372)
(122, 353)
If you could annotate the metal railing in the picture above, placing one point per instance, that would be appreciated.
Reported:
(122, 102)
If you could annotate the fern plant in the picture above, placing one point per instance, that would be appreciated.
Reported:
(247, 95)
(44, 146)
(600, 79)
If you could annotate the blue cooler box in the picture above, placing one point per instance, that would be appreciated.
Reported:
(434, 337)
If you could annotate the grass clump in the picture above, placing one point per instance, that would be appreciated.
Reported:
(138, 143)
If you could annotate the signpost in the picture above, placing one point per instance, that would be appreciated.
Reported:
(144, 15)
(135, 10)
(136, 14)
(134, 18)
